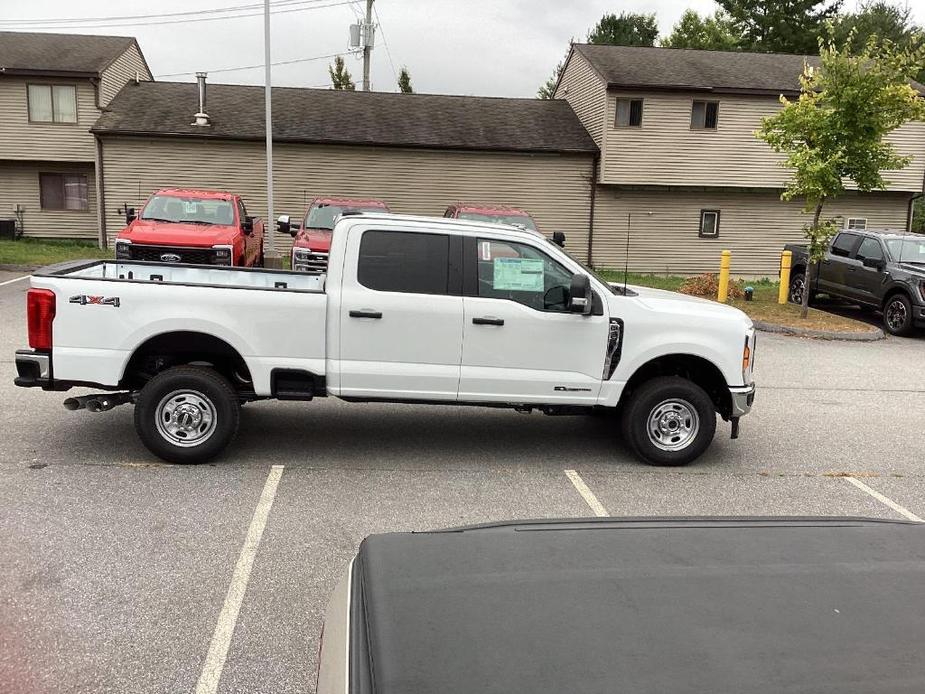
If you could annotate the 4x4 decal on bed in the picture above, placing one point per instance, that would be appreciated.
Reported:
(83, 300)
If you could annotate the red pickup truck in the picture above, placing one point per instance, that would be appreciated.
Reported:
(497, 214)
(313, 235)
(202, 227)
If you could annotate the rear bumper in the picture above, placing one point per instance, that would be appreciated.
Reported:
(742, 398)
(33, 369)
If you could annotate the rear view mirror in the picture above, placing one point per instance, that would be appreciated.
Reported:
(875, 263)
(130, 215)
(580, 297)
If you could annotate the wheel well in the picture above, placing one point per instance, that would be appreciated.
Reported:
(796, 269)
(697, 369)
(185, 347)
(893, 292)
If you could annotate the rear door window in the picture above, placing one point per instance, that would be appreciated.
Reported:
(406, 262)
(844, 244)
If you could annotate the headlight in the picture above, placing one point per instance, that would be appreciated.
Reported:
(302, 253)
(221, 255)
(123, 250)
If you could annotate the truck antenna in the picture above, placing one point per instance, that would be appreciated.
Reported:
(626, 259)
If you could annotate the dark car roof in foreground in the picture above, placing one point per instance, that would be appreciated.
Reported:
(645, 605)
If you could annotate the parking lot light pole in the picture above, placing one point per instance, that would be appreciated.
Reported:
(271, 258)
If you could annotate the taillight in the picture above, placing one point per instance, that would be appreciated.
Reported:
(40, 309)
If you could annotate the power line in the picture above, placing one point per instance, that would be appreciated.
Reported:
(190, 20)
(251, 67)
(385, 43)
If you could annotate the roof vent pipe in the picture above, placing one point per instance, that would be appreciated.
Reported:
(202, 118)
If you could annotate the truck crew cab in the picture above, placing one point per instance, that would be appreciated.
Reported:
(203, 227)
(412, 309)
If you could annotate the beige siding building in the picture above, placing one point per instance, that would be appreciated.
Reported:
(677, 141)
(419, 153)
(53, 88)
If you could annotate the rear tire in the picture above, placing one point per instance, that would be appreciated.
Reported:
(187, 414)
(669, 421)
(796, 289)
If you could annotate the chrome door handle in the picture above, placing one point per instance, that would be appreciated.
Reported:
(488, 320)
(366, 313)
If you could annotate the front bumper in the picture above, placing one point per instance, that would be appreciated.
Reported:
(742, 398)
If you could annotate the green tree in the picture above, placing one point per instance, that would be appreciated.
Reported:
(548, 89)
(918, 216)
(714, 32)
(404, 81)
(780, 26)
(627, 29)
(834, 132)
(340, 76)
(880, 19)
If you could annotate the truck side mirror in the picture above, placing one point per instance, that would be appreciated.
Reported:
(283, 225)
(248, 225)
(580, 297)
(875, 263)
(558, 238)
(130, 215)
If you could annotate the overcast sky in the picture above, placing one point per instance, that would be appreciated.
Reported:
(489, 47)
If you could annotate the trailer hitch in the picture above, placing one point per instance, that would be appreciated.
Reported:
(98, 403)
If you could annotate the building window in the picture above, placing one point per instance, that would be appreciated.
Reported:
(704, 115)
(629, 113)
(63, 191)
(709, 224)
(856, 223)
(52, 103)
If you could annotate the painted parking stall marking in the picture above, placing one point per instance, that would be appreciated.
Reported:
(15, 279)
(884, 500)
(224, 629)
(586, 493)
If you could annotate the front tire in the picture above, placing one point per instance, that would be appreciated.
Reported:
(187, 414)
(897, 315)
(669, 421)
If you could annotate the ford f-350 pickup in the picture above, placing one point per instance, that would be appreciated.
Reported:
(412, 309)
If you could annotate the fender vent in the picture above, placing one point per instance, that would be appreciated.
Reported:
(614, 348)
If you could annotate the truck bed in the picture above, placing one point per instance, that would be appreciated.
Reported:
(204, 275)
(644, 605)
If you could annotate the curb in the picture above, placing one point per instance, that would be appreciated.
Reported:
(869, 336)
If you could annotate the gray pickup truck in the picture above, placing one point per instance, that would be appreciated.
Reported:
(880, 270)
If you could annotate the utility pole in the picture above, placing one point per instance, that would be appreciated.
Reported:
(367, 43)
(270, 256)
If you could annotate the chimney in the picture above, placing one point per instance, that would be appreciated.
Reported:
(202, 118)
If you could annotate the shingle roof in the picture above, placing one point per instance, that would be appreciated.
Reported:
(59, 53)
(339, 117)
(682, 68)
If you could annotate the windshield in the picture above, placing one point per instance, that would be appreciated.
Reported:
(178, 209)
(520, 220)
(907, 250)
(595, 275)
(322, 216)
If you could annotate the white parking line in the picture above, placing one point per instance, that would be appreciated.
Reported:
(586, 493)
(221, 639)
(885, 500)
(15, 279)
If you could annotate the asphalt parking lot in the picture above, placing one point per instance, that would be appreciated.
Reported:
(116, 568)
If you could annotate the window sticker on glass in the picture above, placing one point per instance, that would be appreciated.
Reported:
(518, 274)
(485, 250)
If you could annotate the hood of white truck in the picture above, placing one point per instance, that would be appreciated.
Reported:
(667, 302)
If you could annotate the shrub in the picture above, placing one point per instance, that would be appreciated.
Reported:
(707, 285)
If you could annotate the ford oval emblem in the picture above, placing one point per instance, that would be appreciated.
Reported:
(170, 257)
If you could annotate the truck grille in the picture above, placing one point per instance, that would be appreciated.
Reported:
(310, 262)
(195, 256)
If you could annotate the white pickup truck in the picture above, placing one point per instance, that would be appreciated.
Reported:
(412, 309)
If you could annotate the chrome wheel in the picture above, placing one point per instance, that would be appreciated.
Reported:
(896, 315)
(185, 418)
(797, 286)
(673, 425)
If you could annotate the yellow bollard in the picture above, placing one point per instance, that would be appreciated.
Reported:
(785, 259)
(724, 263)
